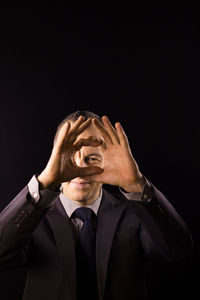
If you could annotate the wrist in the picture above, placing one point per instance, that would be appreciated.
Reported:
(136, 186)
(46, 183)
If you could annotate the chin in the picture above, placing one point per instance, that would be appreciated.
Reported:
(81, 192)
(79, 196)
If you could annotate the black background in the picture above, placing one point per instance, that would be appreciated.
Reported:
(137, 64)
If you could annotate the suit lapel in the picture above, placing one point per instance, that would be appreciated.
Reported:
(107, 220)
(62, 231)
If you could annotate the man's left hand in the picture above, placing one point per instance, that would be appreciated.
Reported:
(120, 167)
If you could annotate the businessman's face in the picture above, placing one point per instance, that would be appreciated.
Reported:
(79, 190)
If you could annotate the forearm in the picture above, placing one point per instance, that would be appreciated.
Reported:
(163, 231)
(19, 219)
(175, 233)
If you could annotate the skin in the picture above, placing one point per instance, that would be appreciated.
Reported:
(81, 189)
(86, 155)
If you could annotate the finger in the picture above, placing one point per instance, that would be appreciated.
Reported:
(83, 126)
(78, 128)
(89, 171)
(76, 125)
(62, 134)
(111, 130)
(122, 136)
(94, 177)
(103, 131)
(91, 141)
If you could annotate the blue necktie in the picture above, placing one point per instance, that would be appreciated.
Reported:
(85, 255)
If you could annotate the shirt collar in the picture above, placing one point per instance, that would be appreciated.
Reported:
(70, 206)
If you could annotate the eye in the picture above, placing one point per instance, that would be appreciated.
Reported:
(92, 159)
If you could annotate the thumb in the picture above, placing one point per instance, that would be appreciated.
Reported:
(88, 171)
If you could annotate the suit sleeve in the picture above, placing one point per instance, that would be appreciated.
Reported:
(17, 222)
(163, 233)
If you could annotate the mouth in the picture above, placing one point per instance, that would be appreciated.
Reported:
(80, 183)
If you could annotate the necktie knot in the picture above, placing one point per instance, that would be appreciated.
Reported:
(84, 213)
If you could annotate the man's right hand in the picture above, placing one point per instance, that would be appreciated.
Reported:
(61, 166)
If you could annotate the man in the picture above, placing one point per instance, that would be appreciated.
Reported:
(42, 229)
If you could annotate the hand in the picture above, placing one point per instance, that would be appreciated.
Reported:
(61, 166)
(120, 167)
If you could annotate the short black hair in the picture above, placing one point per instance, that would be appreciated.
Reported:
(74, 116)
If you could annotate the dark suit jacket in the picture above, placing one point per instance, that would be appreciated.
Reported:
(128, 233)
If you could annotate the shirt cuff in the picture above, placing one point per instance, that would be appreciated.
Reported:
(44, 198)
(145, 196)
